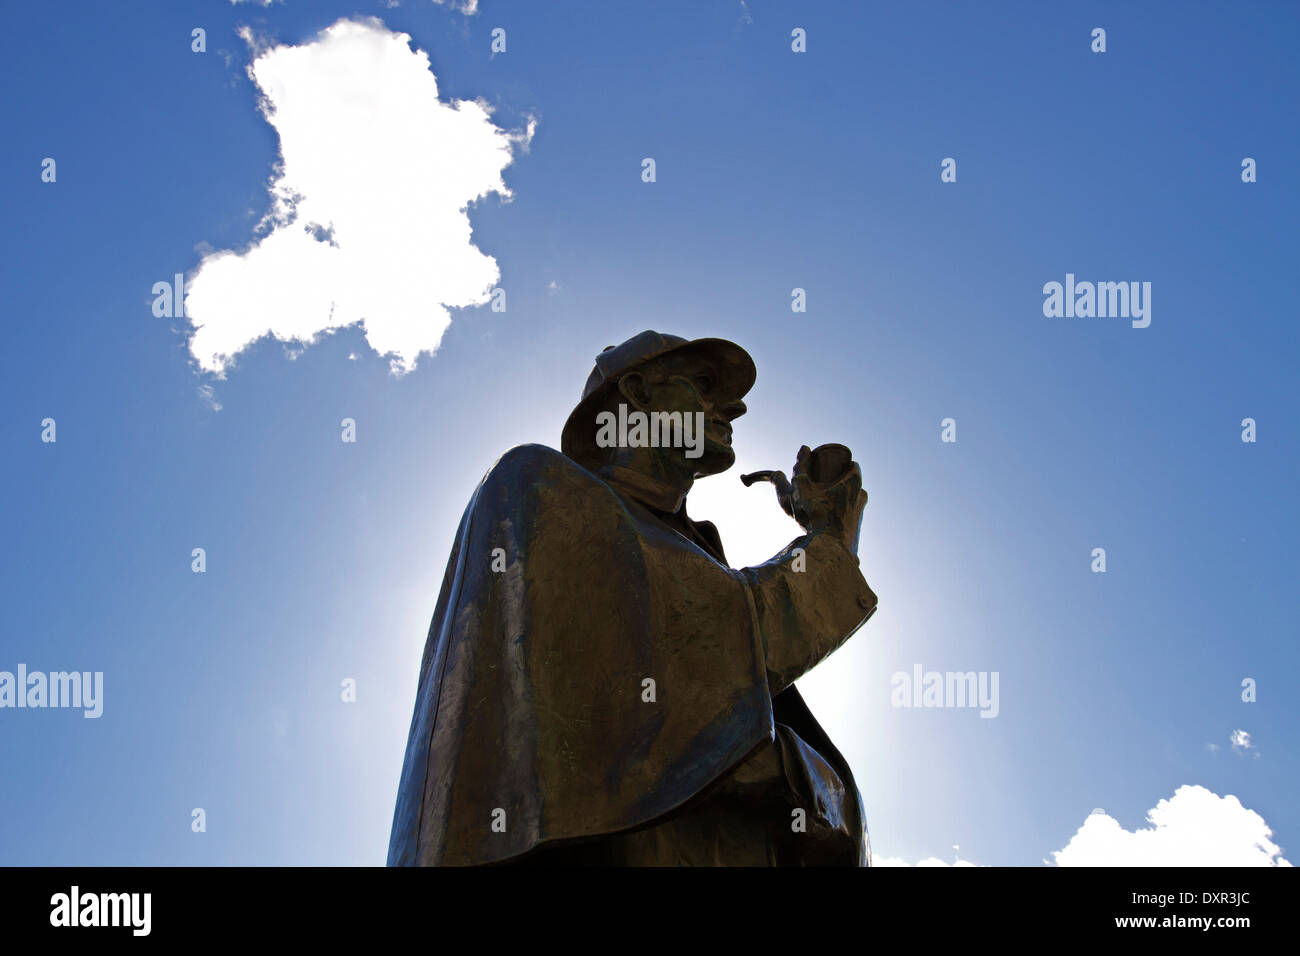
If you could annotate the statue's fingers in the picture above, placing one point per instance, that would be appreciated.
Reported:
(802, 460)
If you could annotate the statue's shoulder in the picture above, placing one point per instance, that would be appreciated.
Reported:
(533, 463)
(532, 483)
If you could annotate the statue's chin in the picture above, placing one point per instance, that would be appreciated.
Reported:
(716, 459)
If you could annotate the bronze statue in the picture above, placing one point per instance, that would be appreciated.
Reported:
(599, 686)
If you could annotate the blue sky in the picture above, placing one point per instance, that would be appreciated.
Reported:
(775, 170)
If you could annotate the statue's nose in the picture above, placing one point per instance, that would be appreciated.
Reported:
(733, 410)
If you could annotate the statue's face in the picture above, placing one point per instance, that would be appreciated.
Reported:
(687, 383)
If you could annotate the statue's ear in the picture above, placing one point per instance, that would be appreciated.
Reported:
(633, 387)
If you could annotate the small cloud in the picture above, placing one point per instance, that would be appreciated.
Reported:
(928, 861)
(467, 7)
(553, 287)
(1194, 827)
(209, 398)
(521, 139)
(1240, 741)
(745, 18)
(256, 42)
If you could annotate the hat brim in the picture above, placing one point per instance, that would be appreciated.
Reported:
(733, 366)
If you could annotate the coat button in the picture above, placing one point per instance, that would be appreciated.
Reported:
(864, 602)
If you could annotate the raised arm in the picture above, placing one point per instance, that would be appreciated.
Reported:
(812, 596)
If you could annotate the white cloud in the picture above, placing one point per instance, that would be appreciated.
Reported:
(928, 861)
(1240, 741)
(369, 220)
(1194, 827)
(208, 396)
(467, 7)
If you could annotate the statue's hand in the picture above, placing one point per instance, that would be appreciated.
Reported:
(827, 493)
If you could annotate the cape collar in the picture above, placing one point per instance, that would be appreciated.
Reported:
(643, 488)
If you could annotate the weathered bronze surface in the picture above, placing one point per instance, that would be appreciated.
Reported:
(599, 686)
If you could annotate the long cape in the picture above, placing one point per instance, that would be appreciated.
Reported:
(586, 671)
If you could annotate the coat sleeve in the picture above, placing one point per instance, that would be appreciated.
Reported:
(808, 600)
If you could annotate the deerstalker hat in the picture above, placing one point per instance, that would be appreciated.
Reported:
(732, 365)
